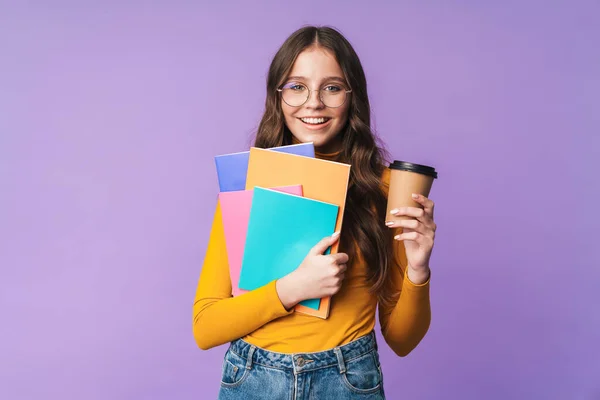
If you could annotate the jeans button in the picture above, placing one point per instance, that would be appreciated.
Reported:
(300, 361)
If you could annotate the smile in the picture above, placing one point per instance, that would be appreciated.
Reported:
(314, 121)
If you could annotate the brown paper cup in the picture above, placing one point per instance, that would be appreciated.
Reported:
(408, 178)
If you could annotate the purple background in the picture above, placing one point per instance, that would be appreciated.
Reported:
(111, 113)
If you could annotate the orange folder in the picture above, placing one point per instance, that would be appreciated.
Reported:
(320, 179)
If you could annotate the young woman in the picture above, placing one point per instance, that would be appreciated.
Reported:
(317, 92)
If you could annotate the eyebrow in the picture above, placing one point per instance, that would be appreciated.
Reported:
(329, 78)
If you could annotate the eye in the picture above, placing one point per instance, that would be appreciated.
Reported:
(294, 86)
(332, 88)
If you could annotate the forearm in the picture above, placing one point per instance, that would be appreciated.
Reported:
(408, 321)
(218, 321)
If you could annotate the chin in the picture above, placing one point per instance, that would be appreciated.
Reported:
(318, 139)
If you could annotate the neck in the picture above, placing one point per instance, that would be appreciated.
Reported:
(323, 153)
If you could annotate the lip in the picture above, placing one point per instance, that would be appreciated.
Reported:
(316, 127)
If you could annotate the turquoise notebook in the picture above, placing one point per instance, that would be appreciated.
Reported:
(281, 231)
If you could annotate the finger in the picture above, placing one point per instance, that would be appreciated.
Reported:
(339, 258)
(339, 272)
(427, 203)
(334, 289)
(342, 270)
(414, 212)
(422, 240)
(325, 243)
(413, 224)
(406, 223)
(412, 236)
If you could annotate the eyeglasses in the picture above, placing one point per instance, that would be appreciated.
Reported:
(296, 94)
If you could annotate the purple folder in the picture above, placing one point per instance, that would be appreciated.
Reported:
(233, 168)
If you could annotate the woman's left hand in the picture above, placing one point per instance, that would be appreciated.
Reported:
(418, 233)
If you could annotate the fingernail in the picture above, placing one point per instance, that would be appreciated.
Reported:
(394, 211)
(336, 234)
(397, 237)
(389, 223)
(415, 196)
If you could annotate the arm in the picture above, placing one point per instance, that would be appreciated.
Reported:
(405, 319)
(219, 318)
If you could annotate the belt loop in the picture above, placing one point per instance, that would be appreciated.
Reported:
(250, 354)
(340, 358)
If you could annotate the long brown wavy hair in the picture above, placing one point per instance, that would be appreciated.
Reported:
(363, 227)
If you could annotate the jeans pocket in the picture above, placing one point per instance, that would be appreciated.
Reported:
(363, 374)
(234, 370)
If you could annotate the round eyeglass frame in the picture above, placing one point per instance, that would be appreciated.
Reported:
(280, 90)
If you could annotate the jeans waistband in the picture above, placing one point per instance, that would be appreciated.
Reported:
(301, 362)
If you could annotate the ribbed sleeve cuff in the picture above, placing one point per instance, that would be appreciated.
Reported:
(273, 303)
(409, 285)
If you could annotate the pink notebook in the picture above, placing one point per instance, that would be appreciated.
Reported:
(235, 210)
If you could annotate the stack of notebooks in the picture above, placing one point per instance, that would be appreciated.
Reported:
(276, 204)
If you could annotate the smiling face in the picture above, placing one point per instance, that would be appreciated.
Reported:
(316, 68)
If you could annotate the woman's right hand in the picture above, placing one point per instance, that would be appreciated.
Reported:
(318, 276)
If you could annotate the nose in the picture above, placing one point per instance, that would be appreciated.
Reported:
(314, 100)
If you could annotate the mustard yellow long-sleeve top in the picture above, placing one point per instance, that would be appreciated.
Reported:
(260, 318)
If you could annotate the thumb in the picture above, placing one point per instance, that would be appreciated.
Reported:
(324, 244)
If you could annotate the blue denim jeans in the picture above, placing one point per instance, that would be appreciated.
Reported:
(351, 371)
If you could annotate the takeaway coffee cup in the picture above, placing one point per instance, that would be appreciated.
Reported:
(408, 178)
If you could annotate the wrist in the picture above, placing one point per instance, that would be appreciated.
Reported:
(286, 292)
(418, 276)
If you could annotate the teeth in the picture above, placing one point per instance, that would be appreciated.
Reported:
(314, 120)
